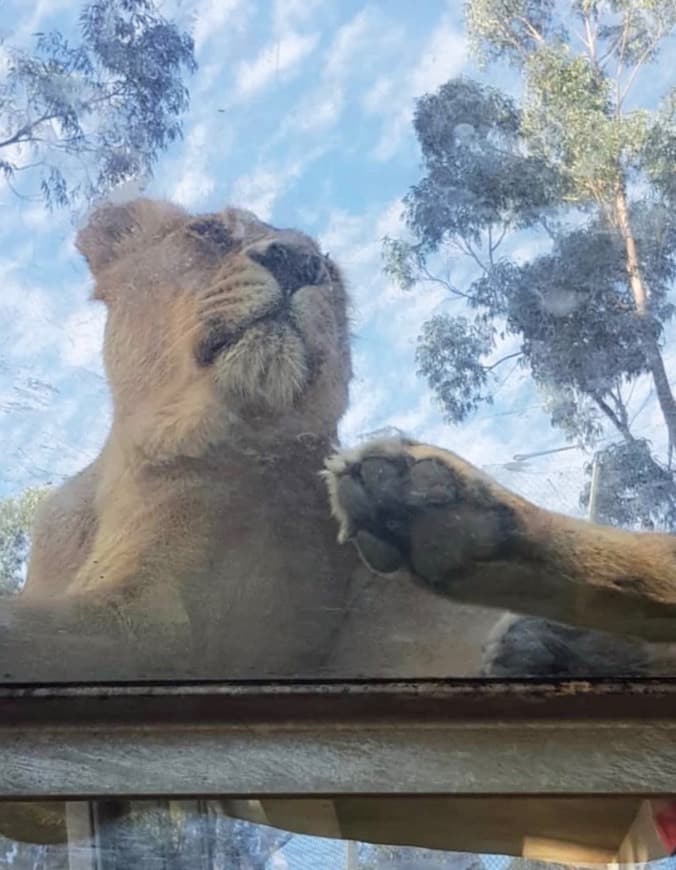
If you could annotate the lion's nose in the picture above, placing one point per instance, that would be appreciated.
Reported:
(291, 267)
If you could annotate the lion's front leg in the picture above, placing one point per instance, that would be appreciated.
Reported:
(417, 508)
(108, 635)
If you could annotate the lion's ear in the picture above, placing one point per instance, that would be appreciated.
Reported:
(115, 230)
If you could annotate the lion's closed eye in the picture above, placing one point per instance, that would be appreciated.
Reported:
(213, 233)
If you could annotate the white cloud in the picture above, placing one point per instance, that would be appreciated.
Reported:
(323, 110)
(128, 191)
(358, 49)
(526, 247)
(29, 319)
(193, 187)
(213, 17)
(259, 190)
(279, 59)
(391, 221)
(415, 420)
(366, 398)
(195, 181)
(352, 37)
(378, 95)
(288, 14)
(39, 12)
(356, 243)
(443, 56)
(82, 339)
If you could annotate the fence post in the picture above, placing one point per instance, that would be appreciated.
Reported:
(594, 489)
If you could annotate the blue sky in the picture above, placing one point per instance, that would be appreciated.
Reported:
(301, 111)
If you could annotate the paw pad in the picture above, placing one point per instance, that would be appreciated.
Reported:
(406, 510)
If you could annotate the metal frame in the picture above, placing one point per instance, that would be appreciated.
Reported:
(301, 739)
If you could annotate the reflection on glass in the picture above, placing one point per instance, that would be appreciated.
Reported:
(163, 511)
(200, 834)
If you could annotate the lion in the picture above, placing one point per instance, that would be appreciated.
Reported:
(199, 543)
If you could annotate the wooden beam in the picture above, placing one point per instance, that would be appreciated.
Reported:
(312, 739)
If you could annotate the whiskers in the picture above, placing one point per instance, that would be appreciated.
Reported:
(186, 332)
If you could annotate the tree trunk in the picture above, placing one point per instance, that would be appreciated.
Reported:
(638, 288)
(641, 296)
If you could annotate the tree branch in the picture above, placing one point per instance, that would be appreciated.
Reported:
(620, 406)
(502, 235)
(23, 133)
(435, 279)
(545, 226)
(534, 32)
(637, 66)
(620, 63)
(591, 37)
(622, 428)
(503, 359)
(467, 248)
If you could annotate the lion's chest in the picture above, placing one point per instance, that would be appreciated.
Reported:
(257, 563)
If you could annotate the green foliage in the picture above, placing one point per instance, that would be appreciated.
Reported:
(575, 314)
(570, 119)
(85, 117)
(592, 179)
(574, 108)
(400, 262)
(659, 154)
(574, 414)
(477, 172)
(449, 355)
(16, 518)
(508, 28)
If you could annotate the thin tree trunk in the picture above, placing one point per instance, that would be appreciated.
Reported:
(640, 293)
(663, 389)
(638, 288)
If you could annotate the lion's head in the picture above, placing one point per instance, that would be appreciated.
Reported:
(219, 326)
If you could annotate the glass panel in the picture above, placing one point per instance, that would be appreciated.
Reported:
(192, 190)
(116, 835)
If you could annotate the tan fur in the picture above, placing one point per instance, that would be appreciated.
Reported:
(475, 542)
(199, 543)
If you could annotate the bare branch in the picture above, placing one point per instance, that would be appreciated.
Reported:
(534, 32)
(23, 134)
(502, 235)
(620, 63)
(620, 406)
(503, 359)
(617, 422)
(590, 32)
(637, 67)
(435, 279)
(466, 247)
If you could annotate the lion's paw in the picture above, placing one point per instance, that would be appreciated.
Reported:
(410, 506)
